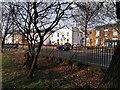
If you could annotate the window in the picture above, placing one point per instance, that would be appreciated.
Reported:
(61, 42)
(105, 32)
(17, 41)
(81, 35)
(67, 40)
(115, 33)
(97, 41)
(57, 34)
(90, 33)
(106, 38)
(114, 38)
(50, 42)
(88, 40)
(115, 43)
(103, 41)
(97, 33)
(67, 33)
(57, 41)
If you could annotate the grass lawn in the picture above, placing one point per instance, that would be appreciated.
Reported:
(51, 73)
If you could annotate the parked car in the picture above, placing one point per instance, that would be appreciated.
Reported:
(75, 45)
(63, 47)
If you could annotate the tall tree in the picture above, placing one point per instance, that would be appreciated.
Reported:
(85, 15)
(35, 20)
(6, 22)
(109, 15)
(111, 78)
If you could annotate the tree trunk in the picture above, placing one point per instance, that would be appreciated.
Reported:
(85, 34)
(3, 41)
(28, 60)
(31, 61)
(111, 78)
(33, 67)
(34, 63)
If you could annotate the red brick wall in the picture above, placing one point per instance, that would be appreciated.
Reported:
(19, 37)
(92, 37)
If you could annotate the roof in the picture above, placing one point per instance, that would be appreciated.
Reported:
(106, 25)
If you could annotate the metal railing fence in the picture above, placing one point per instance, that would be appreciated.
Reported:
(99, 55)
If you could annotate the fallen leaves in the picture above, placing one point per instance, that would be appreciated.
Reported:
(49, 68)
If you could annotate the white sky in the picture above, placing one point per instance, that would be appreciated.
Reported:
(59, 0)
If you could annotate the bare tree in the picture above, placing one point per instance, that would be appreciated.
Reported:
(35, 20)
(111, 78)
(85, 15)
(6, 22)
(108, 15)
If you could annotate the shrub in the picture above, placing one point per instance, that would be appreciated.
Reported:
(68, 44)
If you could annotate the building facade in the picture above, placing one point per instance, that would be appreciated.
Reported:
(59, 37)
(90, 40)
(104, 33)
(99, 36)
(96, 37)
(14, 38)
(65, 35)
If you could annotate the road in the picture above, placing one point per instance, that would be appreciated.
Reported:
(94, 57)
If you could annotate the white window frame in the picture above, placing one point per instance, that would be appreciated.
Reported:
(115, 33)
(97, 33)
(105, 32)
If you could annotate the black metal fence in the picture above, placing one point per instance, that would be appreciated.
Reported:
(100, 55)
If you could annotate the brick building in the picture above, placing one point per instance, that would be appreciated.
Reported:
(106, 32)
(99, 36)
(90, 38)
(96, 37)
(14, 38)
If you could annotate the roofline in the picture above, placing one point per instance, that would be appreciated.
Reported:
(106, 25)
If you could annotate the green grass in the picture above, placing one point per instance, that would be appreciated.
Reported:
(10, 80)
(5, 61)
(44, 83)
(24, 82)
